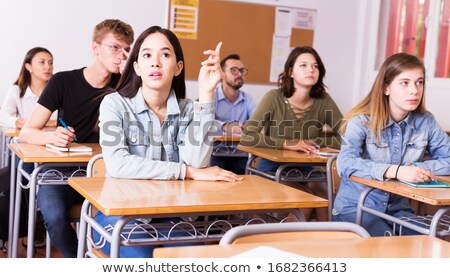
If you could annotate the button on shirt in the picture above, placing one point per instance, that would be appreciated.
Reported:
(402, 143)
(136, 145)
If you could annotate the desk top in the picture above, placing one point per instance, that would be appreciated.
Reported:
(228, 137)
(284, 156)
(137, 197)
(40, 154)
(422, 246)
(14, 132)
(431, 196)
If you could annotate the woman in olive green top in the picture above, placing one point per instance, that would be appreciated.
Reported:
(292, 117)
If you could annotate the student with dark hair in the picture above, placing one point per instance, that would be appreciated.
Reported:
(386, 136)
(233, 108)
(292, 117)
(76, 95)
(22, 97)
(149, 130)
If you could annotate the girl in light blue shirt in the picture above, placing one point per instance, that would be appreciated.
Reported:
(148, 130)
(386, 136)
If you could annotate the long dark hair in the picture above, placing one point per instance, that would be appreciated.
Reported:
(285, 81)
(24, 79)
(130, 82)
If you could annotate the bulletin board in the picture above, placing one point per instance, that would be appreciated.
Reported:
(244, 28)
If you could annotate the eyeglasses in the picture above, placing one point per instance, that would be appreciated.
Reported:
(235, 70)
(115, 48)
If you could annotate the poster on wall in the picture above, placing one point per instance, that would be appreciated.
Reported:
(184, 18)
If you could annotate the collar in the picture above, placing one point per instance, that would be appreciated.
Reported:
(408, 121)
(221, 95)
(29, 94)
(172, 103)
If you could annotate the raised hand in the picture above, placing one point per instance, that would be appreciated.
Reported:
(209, 75)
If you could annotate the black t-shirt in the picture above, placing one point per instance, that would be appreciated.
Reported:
(77, 102)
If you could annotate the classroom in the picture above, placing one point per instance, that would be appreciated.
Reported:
(353, 38)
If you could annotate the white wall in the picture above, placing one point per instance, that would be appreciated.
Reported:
(65, 28)
(344, 32)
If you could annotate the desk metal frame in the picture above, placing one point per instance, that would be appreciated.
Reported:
(431, 229)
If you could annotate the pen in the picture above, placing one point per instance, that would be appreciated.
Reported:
(415, 164)
(67, 127)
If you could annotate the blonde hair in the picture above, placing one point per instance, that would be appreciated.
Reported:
(376, 103)
(115, 26)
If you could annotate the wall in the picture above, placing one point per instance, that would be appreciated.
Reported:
(334, 38)
(65, 28)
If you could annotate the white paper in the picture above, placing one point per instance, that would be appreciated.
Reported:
(280, 52)
(304, 19)
(283, 22)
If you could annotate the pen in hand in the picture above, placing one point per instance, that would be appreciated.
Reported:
(67, 127)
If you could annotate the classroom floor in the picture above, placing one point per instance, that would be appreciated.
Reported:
(40, 252)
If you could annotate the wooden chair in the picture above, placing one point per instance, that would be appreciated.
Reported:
(260, 233)
(333, 182)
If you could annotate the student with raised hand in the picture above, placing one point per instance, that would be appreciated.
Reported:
(386, 136)
(149, 130)
(22, 97)
(292, 116)
(76, 95)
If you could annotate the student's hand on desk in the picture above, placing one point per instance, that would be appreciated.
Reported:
(209, 75)
(62, 137)
(233, 128)
(414, 174)
(307, 146)
(211, 174)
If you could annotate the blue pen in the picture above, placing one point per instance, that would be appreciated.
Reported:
(67, 127)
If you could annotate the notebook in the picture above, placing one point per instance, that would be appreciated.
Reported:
(327, 152)
(431, 184)
(74, 147)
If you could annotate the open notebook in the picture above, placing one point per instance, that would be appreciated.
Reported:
(74, 147)
(431, 184)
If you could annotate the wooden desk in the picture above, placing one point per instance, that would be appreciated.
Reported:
(432, 196)
(374, 247)
(287, 157)
(28, 153)
(225, 145)
(150, 198)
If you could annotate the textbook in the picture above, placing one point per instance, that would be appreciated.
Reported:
(74, 147)
(431, 184)
(327, 152)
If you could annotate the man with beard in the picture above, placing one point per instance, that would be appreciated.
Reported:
(233, 108)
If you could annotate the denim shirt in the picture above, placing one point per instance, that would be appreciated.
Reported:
(402, 143)
(135, 144)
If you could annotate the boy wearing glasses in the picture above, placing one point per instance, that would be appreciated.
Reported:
(76, 95)
(233, 108)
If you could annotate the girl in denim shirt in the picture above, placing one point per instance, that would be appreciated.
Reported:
(386, 136)
(148, 130)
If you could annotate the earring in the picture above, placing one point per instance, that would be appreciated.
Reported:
(31, 71)
(386, 93)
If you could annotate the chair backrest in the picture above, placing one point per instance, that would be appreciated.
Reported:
(333, 182)
(96, 166)
(293, 231)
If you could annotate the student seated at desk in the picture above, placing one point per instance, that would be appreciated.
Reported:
(233, 108)
(22, 97)
(149, 130)
(292, 116)
(76, 94)
(386, 136)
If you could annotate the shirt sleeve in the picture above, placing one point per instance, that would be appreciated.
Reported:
(9, 112)
(350, 161)
(252, 134)
(120, 163)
